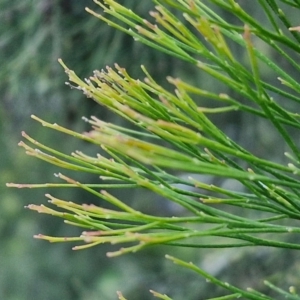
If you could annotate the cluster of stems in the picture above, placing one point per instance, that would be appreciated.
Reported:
(171, 134)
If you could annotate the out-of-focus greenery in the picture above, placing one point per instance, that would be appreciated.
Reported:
(33, 35)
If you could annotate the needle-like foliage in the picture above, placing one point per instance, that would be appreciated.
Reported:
(172, 133)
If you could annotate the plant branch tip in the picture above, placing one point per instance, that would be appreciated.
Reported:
(87, 9)
(10, 184)
(92, 233)
(297, 28)
(39, 236)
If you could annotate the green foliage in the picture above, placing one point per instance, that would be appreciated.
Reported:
(171, 134)
(34, 33)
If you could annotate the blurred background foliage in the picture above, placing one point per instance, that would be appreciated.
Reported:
(33, 35)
